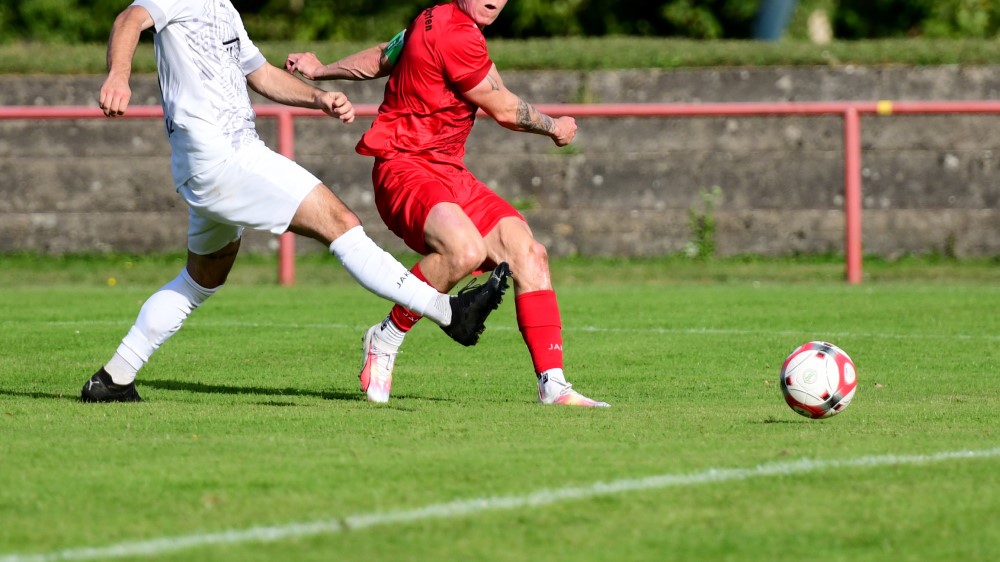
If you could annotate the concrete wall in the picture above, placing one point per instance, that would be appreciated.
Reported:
(930, 183)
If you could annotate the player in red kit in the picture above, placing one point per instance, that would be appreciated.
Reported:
(440, 74)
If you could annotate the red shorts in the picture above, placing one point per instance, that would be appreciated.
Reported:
(406, 189)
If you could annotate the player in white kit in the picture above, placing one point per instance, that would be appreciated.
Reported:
(230, 180)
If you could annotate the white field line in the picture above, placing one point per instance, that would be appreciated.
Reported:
(463, 508)
(126, 322)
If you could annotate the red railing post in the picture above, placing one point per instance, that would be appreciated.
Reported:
(286, 242)
(852, 194)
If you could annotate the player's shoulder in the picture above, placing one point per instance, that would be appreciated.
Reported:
(448, 18)
(445, 28)
(455, 29)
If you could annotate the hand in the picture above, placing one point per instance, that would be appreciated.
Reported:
(115, 95)
(564, 130)
(336, 104)
(305, 64)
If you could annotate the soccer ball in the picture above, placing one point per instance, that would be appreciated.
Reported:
(818, 380)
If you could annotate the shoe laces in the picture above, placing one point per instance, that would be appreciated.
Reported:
(375, 349)
(381, 354)
(472, 285)
(565, 387)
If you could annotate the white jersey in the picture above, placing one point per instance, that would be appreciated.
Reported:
(203, 55)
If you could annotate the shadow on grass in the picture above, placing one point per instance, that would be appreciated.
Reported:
(226, 389)
(777, 420)
(74, 396)
(249, 390)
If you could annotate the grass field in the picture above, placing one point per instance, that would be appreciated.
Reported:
(254, 442)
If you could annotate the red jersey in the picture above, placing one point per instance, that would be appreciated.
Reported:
(423, 111)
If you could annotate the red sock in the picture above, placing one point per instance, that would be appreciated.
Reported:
(541, 328)
(403, 317)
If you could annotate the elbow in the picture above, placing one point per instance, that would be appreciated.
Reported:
(259, 79)
(253, 82)
(506, 118)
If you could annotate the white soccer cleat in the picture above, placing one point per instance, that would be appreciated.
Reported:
(553, 391)
(376, 369)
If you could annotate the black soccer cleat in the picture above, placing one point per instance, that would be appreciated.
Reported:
(471, 306)
(100, 388)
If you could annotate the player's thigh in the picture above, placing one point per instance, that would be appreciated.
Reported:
(405, 192)
(256, 188)
(504, 231)
(435, 207)
(323, 216)
(512, 241)
(510, 237)
(448, 230)
(212, 249)
(207, 235)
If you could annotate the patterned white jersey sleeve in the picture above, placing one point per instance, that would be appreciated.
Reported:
(203, 54)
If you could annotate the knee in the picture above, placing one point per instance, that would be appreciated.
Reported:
(530, 267)
(469, 257)
(535, 256)
(344, 219)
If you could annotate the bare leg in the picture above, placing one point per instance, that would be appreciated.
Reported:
(163, 314)
(537, 309)
(324, 217)
(457, 248)
(211, 271)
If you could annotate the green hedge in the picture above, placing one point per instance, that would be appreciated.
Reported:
(580, 53)
(71, 21)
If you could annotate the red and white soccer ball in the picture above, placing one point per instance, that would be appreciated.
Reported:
(818, 380)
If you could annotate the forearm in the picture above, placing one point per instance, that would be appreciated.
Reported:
(507, 108)
(518, 115)
(529, 119)
(283, 88)
(364, 65)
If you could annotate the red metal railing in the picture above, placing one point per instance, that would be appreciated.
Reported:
(851, 112)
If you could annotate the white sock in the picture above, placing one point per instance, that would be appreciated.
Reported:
(379, 272)
(554, 375)
(159, 318)
(389, 335)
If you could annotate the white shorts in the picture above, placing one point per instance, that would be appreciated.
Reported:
(256, 188)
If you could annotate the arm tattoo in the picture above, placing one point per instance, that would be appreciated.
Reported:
(494, 86)
(529, 119)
